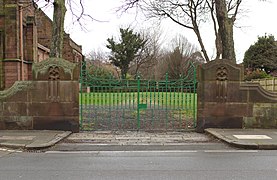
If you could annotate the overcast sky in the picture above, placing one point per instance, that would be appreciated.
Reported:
(257, 19)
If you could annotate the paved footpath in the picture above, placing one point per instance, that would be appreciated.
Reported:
(137, 138)
(241, 138)
(137, 141)
(247, 138)
(30, 139)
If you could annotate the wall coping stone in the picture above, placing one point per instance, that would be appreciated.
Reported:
(257, 87)
(15, 88)
(43, 66)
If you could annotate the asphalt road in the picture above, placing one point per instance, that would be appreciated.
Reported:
(93, 147)
(119, 165)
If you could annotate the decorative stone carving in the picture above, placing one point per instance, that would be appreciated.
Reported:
(51, 68)
(54, 83)
(221, 83)
(54, 73)
(221, 74)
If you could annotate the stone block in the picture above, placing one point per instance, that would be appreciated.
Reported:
(219, 122)
(17, 122)
(14, 109)
(56, 123)
(227, 109)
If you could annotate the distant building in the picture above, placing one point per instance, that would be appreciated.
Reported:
(25, 38)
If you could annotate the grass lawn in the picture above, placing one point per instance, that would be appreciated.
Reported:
(169, 99)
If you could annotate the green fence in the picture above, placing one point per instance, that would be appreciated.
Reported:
(109, 104)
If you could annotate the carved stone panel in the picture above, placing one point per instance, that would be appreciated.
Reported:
(55, 69)
(221, 83)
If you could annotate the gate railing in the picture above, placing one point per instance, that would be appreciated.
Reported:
(110, 104)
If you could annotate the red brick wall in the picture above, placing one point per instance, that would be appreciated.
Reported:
(37, 30)
(11, 30)
(44, 29)
(42, 54)
(13, 70)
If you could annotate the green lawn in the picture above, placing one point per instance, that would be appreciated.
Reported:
(169, 99)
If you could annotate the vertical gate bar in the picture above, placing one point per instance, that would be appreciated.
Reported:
(105, 107)
(170, 95)
(147, 91)
(155, 93)
(166, 105)
(175, 96)
(97, 99)
(150, 95)
(96, 109)
(89, 105)
(110, 100)
(181, 99)
(182, 93)
(131, 93)
(81, 98)
(117, 106)
(121, 94)
(158, 97)
(162, 98)
(126, 89)
(121, 103)
(187, 104)
(150, 102)
(134, 92)
(194, 90)
(138, 101)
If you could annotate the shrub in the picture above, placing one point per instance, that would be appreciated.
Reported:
(256, 74)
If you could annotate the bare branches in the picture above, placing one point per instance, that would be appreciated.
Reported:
(79, 15)
(233, 8)
(130, 4)
(237, 8)
(188, 13)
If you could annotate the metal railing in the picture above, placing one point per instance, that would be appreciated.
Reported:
(112, 104)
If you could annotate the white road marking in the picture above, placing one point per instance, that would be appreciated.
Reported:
(231, 151)
(154, 152)
(114, 152)
(17, 137)
(10, 150)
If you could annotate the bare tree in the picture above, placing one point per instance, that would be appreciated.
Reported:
(98, 55)
(188, 14)
(149, 54)
(191, 13)
(56, 47)
(179, 59)
(226, 13)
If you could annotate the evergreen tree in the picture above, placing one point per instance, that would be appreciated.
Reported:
(126, 50)
(262, 55)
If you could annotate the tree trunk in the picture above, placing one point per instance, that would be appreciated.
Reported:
(56, 49)
(225, 30)
(197, 32)
(124, 71)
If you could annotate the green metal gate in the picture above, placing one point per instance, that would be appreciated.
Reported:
(108, 104)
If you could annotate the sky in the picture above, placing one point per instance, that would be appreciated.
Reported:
(257, 18)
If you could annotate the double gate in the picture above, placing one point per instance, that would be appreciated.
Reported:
(112, 104)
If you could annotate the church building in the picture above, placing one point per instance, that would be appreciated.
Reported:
(25, 39)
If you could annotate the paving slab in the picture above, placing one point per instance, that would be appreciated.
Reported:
(136, 138)
(247, 138)
(31, 139)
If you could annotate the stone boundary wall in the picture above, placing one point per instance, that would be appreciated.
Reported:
(49, 102)
(267, 84)
(225, 101)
